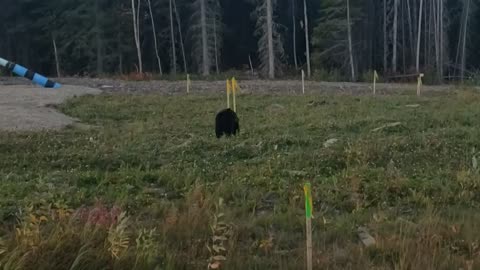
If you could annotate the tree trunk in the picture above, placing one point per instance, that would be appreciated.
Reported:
(155, 38)
(425, 33)
(120, 54)
(251, 65)
(350, 49)
(404, 45)
(120, 63)
(442, 42)
(215, 44)
(57, 61)
(395, 35)
(411, 32)
(98, 38)
(419, 35)
(385, 38)
(431, 23)
(294, 23)
(307, 38)
(438, 45)
(182, 47)
(136, 30)
(271, 55)
(172, 36)
(464, 39)
(203, 22)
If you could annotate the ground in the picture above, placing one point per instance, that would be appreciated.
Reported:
(26, 108)
(402, 167)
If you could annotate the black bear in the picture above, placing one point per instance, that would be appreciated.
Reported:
(226, 123)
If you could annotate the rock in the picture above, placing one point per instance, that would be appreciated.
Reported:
(317, 103)
(365, 237)
(296, 173)
(330, 142)
(276, 107)
(396, 124)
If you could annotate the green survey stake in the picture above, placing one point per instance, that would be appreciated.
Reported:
(308, 200)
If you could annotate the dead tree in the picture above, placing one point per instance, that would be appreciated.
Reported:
(350, 49)
(307, 38)
(136, 30)
(419, 35)
(159, 62)
(172, 38)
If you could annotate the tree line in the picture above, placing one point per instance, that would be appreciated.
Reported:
(340, 38)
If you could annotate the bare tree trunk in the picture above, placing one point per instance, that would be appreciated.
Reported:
(464, 39)
(136, 30)
(442, 41)
(294, 22)
(419, 35)
(120, 55)
(395, 35)
(251, 65)
(432, 33)
(215, 44)
(182, 46)
(203, 22)
(350, 49)
(415, 15)
(120, 63)
(155, 38)
(411, 31)
(404, 45)
(459, 44)
(385, 43)
(307, 38)
(99, 39)
(438, 45)
(271, 55)
(172, 37)
(57, 61)
(425, 33)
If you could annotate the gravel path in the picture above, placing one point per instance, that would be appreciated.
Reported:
(247, 87)
(25, 107)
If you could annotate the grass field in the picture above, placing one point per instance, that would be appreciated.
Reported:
(146, 185)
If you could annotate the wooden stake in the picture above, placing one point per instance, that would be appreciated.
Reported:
(308, 215)
(229, 89)
(251, 66)
(234, 89)
(189, 83)
(303, 82)
(419, 85)
(375, 78)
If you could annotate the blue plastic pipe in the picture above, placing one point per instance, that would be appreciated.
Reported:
(26, 73)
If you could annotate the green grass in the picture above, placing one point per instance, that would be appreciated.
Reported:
(414, 186)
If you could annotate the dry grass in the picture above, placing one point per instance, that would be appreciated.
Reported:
(150, 187)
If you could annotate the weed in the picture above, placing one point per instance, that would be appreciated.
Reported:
(221, 233)
(118, 240)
